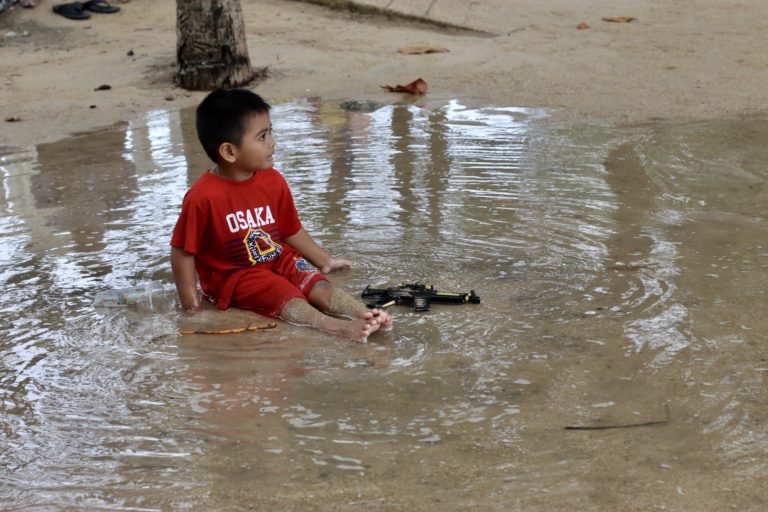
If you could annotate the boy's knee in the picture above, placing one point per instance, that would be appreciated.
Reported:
(323, 287)
(320, 295)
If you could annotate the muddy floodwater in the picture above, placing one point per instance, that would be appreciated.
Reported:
(623, 272)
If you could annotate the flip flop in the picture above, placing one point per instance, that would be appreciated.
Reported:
(100, 6)
(73, 11)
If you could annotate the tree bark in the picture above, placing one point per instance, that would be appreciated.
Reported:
(211, 51)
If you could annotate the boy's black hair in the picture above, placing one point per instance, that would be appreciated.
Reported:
(222, 116)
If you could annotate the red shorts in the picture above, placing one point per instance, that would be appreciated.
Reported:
(266, 288)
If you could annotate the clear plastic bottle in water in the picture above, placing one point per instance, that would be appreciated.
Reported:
(149, 294)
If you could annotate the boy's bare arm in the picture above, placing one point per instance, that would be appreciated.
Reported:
(318, 256)
(183, 265)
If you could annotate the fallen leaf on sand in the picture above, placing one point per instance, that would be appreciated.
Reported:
(417, 87)
(620, 19)
(422, 49)
(582, 26)
(12, 119)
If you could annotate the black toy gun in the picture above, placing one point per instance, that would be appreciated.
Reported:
(418, 296)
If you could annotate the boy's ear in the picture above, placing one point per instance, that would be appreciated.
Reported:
(228, 152)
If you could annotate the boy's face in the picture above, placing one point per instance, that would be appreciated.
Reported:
(257, 146)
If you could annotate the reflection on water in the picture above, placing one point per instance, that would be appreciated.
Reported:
(623, 277)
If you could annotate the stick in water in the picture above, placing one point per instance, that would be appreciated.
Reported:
(237, 330)
(621, 425)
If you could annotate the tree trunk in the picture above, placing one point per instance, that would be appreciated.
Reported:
(210, 45)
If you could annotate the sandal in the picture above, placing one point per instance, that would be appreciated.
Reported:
(73, 11)
(100, 6)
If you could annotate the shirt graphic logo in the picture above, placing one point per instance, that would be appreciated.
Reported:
(303, 265)
(260, 246)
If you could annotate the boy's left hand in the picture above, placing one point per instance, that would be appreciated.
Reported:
(336, 264)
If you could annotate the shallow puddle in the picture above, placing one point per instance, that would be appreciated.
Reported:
(622, 273)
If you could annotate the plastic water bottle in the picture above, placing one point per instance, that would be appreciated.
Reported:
(148, 295)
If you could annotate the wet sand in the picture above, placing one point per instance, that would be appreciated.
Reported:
(622, 275)
(685, 60)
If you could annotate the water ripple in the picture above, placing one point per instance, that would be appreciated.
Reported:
(619, 269)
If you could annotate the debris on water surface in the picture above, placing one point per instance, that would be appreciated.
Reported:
(619, 19)
(417, 87)
(621, 425)
(361, 106)
(422, 49)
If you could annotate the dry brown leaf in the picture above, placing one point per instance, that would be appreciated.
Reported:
(422, 49)
(417, 87)
(620, 19)
(582, 26)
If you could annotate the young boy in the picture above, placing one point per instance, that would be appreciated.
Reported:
(240, 233)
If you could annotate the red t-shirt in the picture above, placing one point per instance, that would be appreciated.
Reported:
(230, 226)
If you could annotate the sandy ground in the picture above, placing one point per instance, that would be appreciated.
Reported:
(683, 59)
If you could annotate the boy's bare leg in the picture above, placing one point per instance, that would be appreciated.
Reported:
(300, 312)
(339, 303)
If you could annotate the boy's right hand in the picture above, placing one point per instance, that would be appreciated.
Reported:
(192, 311)
(191, 305)
(183, 265)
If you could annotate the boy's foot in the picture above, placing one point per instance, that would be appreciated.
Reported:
(383, 318)
(299, 312)
(359, 329)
